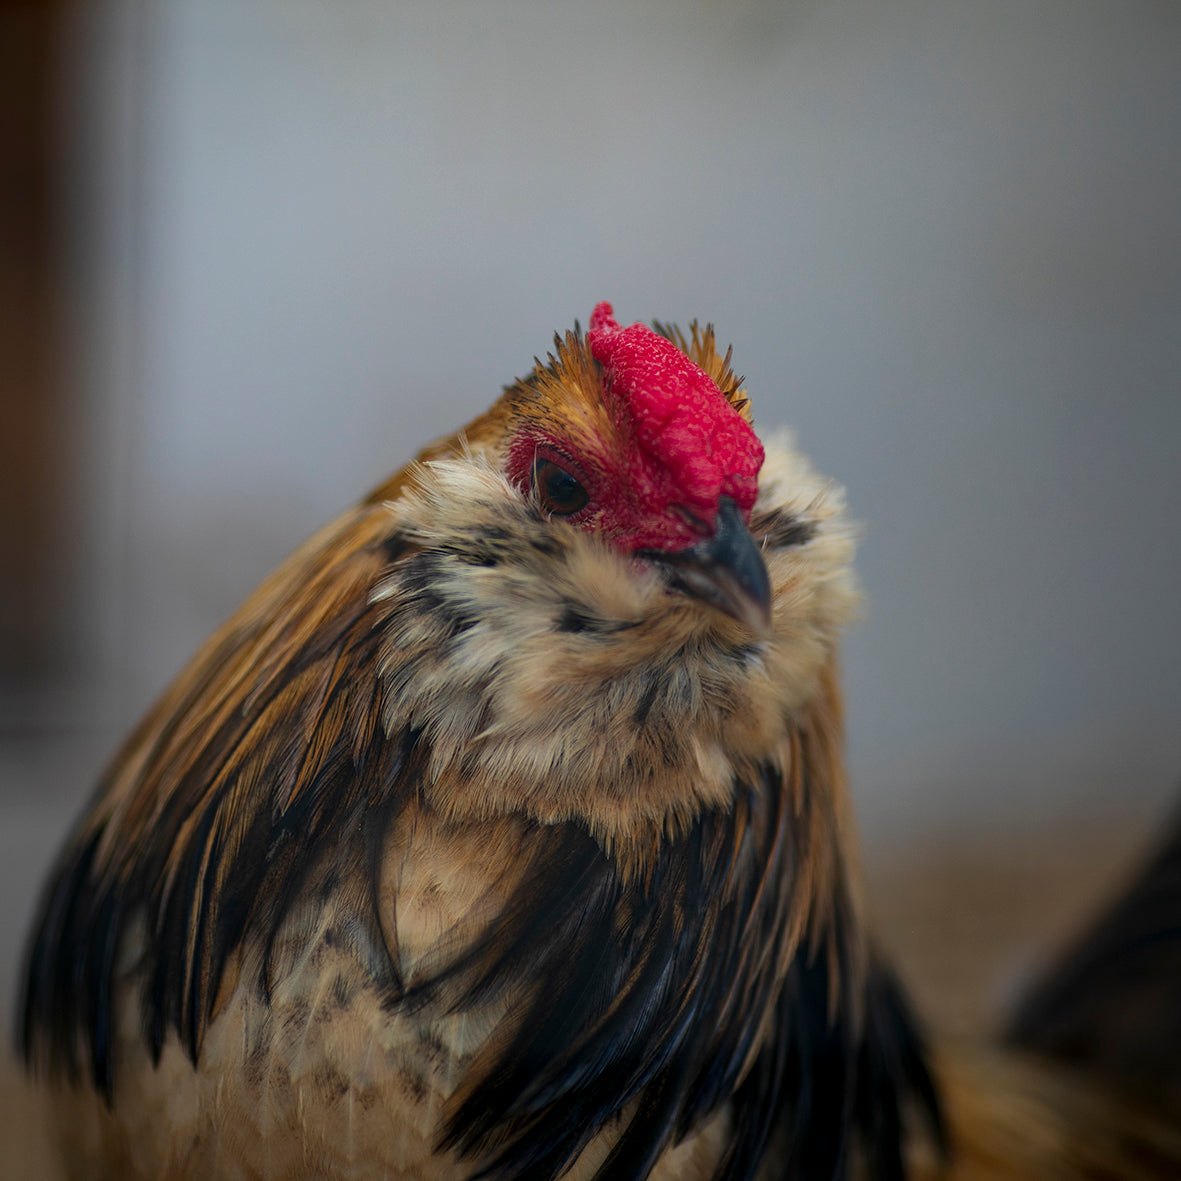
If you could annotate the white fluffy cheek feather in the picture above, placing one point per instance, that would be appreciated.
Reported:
(517, 696)
(816, 594)
(454, 502)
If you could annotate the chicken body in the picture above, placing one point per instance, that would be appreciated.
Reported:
(503, 833)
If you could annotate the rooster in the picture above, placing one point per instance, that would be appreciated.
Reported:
(503, 833)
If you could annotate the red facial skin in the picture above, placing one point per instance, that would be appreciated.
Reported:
(683, 446)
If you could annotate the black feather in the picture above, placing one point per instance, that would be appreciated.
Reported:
(649, 992)
(1113, 1002)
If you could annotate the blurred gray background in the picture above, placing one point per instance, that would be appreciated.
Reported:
(299, 239)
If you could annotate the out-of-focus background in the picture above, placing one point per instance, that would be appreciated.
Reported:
(256, 252)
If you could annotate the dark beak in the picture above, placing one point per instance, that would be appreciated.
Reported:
(726, 570)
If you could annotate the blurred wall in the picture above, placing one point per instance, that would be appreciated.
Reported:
(944, 239)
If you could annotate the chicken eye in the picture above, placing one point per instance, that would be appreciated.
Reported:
(558, 492)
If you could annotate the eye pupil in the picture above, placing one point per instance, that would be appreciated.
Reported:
(557, 490)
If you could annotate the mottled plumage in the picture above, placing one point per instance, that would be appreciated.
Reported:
(504, 836)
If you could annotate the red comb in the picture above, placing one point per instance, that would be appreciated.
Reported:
(696, 446)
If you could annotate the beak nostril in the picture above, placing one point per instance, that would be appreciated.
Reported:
(725, 570)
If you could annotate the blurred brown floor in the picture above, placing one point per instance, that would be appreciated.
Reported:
(968, 921)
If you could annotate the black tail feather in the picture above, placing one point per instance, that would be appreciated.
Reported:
(1113, 1003)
